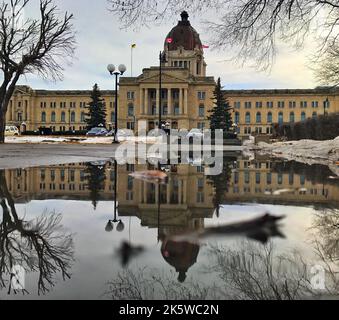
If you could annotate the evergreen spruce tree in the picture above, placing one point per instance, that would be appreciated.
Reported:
(95, 182)
(96, 116)
(220, 117)
(220, 184)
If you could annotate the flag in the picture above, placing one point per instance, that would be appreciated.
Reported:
(133, 46)
(169, 40)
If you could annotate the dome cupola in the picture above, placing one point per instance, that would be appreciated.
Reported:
(183, 48)
(183, 35)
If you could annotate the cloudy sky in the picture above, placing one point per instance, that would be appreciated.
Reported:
(101, 41)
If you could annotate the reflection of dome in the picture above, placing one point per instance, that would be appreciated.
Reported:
(184, 35)
(180, 255)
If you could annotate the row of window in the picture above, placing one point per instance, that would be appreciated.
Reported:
(72, 117)
(280, 104)
(269, 178)
(269, 117)
(325, 192)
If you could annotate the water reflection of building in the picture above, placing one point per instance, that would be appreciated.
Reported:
(188, 193)
(263, 180)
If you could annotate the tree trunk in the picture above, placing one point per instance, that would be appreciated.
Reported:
(6, 93)
(2, 127)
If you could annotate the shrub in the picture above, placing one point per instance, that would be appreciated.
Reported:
(320, 128)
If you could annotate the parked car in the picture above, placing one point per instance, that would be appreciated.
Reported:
(97, 132)
(122, 134)
(195, 133)
(11, 131)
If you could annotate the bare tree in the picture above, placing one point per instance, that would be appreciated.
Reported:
(256, 272)
(38, 46)
(40, 246)
(252, 28)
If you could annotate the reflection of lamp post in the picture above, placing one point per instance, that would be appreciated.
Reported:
(110, 223)
(122, 69)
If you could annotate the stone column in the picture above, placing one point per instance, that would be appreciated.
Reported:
(180, 191)
(13, 109)
(141, 101)
(168, 189)
(185, 192)
(158, 106)
(180, 101)
(169, 101)
(146, 101)
(185, 101)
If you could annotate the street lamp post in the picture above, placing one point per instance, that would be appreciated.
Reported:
(162, 59)
(120, 224)
(121, 70)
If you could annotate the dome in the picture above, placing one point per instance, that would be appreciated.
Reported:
(183, 35)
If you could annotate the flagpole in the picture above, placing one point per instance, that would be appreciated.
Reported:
(131, 61)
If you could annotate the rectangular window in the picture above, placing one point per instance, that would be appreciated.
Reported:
(281, 104)
(201, 95)
(315, 104)
(292, 104)
(303, 104)
(258, 105)
(269, 178)
(248, 105)
(270, 104)
(130, 95)
(237, 105)
(201, 111)
(130, 125)
(247, 177)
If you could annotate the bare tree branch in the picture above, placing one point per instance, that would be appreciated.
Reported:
(39, 46)
(251, 29)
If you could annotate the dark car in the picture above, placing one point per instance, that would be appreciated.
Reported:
(97, 132)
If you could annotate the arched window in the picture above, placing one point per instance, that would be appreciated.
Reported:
(314, 115)
(53, 116)
(269, 117)
(303, 116)
(63, 116)
(258, 117)
(131, 110)
(43, 117)
(292, 117)
(83, 116)
(73, 116)
(237, 118)
(281, 118)
(248, 118)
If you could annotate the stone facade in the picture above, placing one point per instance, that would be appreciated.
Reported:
(187, 94)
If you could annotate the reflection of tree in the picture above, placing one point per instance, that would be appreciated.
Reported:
(245, 272)
(220, 184)
(38, 246)
(254, 272)
(326, 244)
(96, 177)
(148, 284)
(327, 226)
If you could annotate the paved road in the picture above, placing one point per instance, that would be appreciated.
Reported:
(30, 155)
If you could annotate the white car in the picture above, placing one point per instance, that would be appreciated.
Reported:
(195, 133)
(11, 131)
